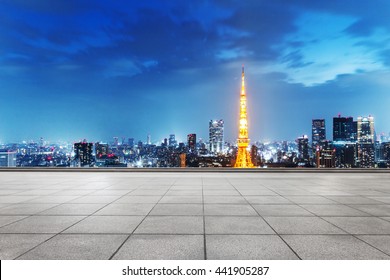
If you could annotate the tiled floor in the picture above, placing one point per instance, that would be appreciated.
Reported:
(202, 215)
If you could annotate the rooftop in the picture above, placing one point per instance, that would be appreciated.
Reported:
(194, 215)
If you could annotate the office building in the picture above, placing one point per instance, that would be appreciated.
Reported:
(366, 155)
(365, 129)
(101, 150)
(318, 133)
(303, 148)
(344, 129)
(366, 141)
(191, 140)
(172, 140)
(83, 153)
(326, 158)
(216, 138)
(7, 158)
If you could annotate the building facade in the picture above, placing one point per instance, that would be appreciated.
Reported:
(216, 136)
(83, 153)
(191, 141)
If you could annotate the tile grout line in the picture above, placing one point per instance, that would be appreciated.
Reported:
(295, 253)
(347, 233)
(204, 224)
(123, 243)
(58, 233)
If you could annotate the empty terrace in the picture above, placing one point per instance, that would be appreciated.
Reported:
(194, 215)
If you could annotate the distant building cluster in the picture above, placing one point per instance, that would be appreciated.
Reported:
(354, 143)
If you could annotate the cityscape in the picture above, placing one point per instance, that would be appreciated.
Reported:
(248, 133)
(352, 143)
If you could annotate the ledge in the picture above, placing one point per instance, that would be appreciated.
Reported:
(197, 170)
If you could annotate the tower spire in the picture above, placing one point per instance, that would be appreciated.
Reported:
(243, 159)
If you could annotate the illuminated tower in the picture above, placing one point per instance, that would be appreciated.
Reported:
(243, 159)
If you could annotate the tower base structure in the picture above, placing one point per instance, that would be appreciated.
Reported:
(243, 159)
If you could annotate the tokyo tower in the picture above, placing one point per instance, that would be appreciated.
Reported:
(243, 159)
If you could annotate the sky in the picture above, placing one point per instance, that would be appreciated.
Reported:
(97, 69)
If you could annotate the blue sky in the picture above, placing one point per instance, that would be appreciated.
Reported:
(97, 69)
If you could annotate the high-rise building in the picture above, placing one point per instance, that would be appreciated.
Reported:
(149, 140)
(366, 141)
(344, 129)
(116, 141)
(216, 136)
(130, 142)
(101, 150)
(83, 153)
(318, 133)
(191, 140)
(243, 159)
(326, 158)
(365, 129)
(366, 154)
(346, 154)
(303, 148)
(172, 140)
(7, 158)
(386, 152)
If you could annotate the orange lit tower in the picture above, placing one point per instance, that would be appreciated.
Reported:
(243, 159)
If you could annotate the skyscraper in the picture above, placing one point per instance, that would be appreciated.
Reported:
(216, 136)
(366, 141)
(191, 140)
(243, 159)
(344, 129)
(303, 148)
(172, 141)
(365, 129)
(83, 153)
(318, 133)
(101, 150)
(7, 158)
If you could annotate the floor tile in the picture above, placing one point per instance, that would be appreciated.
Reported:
(95, 199)
(376, 210)
(332, 247)
(224, 199)
(162, 247)
(309, 199)
(76, 247)
(106, 224)
(25, 208)
(73, 209)
(229, 210)
(125, 209)
(247, 247)
(14, 245)
(138, 199)
(41, 224)
(181, 199)
(267, 199)
(171, 225)
(5, 220)
(281, 210)
(177, 209)
(353, 200)
(236, 225)
(381, 242)
(361, 225)
(302, 225)
(333, 210)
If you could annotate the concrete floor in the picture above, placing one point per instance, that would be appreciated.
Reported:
(155, 215)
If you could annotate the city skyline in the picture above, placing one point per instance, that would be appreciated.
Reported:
(71, 70)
